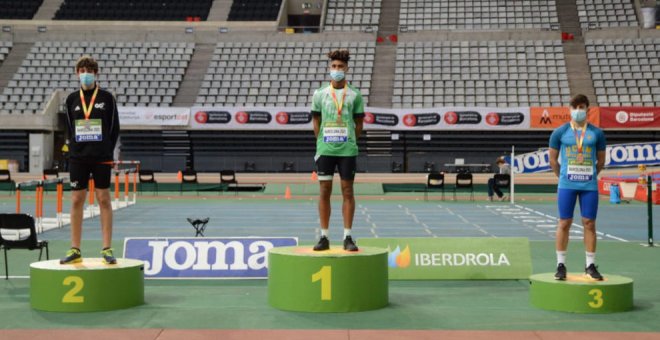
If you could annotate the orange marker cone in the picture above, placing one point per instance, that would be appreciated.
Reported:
(315, 177)
(287, 193)
(179, 176)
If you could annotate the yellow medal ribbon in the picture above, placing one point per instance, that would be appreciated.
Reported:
(88, 110)
(338, 104)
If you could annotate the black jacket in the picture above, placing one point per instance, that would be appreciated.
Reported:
(105, 109)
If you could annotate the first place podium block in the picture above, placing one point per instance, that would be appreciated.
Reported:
(89, 286)
(580, 294)
(302, 280)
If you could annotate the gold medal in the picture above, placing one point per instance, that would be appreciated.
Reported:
(339, 104)
(580, 158)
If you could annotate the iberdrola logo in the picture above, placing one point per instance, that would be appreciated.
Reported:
(398, 258)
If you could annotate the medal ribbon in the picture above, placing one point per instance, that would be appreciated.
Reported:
(579, 141)
(88, 110)
(338, 104)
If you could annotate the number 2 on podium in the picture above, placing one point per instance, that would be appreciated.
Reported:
(325, 276)
(78, 284)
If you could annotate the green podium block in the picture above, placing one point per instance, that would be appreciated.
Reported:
(300, 279)
(89, 286)
(581, 294)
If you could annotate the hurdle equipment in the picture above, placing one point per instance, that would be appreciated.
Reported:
(300, 279)
(89, 286)
(44, 223)
(580, 294)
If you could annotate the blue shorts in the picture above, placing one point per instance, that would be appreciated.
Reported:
(566, 199)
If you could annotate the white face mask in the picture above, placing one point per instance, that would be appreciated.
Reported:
(337, 75)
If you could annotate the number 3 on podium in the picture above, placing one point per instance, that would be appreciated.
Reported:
(78, 284)
(325, 276)
(597, 295)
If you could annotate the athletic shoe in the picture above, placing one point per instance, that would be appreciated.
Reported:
(490, 198)
(592, 272)
(324, 244)
(108, 257)
(503, 198)
(561, 272)
(349, 245)
(73, 255)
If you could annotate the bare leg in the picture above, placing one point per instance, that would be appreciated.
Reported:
(589, 234)
(348, 206)
(103, 198)
(563, 227)
(77, 203)
(324, 203)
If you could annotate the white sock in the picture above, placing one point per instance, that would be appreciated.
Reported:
(324, 232)
(347, 232)
(561, 257)
(591, 258)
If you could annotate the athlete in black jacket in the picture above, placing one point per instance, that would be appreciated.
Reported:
(93, 127)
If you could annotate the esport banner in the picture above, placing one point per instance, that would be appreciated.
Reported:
(154, 116)
(617, 155)
(296, 118)
(630, 117)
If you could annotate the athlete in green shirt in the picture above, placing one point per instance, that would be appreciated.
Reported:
(338, 112)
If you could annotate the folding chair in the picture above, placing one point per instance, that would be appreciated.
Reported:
(17, 231)
(434, 181)
(147, 177)
(199, 224)
(5, 179)
(503, 181)
(227, 178)
(464, 182)
(189, 176)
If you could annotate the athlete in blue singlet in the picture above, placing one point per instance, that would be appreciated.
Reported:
(580, 146)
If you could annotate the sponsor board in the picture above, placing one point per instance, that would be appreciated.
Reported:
(617, 155)
(455, 258)
(153, 116)
(204, 257)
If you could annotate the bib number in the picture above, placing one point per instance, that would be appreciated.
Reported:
(336, 134)
(580, 173)
(89, 130)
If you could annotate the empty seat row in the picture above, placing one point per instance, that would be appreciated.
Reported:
(254, 10)
(352, 15)
(24, 9)
(477, 15)
(606, 13)
(448, 73)
(161, 10)
(625, 72)
(242, 73)
(134, 76)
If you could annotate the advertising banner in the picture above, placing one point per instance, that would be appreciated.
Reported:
(618, 155)
(455, 258)
(154, 116)
(297, 118)
(630, 117)
(554, 117)
(204, 257)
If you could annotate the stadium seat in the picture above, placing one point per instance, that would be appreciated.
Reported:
(625, 72)
(417, 15)
(342, 15)
(158, 10)
(244, 73)
(480, 73)
(606, 13)
(24, 9)
(125, 67)
(254, 10)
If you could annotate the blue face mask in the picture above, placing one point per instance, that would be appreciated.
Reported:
(578, 115)
(87, 79)
(337, 75)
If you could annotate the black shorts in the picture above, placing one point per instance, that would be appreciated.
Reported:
(80, 173)
(325, 167)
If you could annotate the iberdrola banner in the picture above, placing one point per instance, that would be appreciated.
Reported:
(460, 258)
